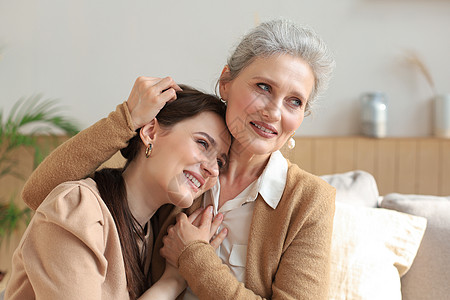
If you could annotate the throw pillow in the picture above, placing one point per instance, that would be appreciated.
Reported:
(371, 249)
(354, 187)
(430, 274)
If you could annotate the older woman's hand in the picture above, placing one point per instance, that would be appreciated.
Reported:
(148, 96)
(198, 226)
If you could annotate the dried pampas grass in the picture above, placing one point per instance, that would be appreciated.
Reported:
(413, 58)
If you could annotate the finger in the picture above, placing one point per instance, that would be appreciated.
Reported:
(219, 238)
(195, 214)
(168, 95)
(181, 216)
(164, 252)
(215, 224)
(167, 83)
(182, 220)
(197, 220)
(143, 83)
(145, 79)
(206, 218)
(164, 241)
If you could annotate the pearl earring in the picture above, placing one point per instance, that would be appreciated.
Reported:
(291, 142)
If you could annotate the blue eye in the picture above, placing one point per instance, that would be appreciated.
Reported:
(264, 87)
(296, 102)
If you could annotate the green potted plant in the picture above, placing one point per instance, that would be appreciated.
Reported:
(28, 119)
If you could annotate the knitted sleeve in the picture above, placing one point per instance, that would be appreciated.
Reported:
(80, 156)
(208, 277)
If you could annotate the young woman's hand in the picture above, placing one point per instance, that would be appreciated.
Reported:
(198, 226)
(169, 286)
(148, 96)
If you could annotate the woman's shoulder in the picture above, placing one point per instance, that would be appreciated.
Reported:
(299, 179)
(306, 193)
(73, 201)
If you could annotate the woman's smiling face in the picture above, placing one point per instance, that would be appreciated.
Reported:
(186, 159)
(266, 101)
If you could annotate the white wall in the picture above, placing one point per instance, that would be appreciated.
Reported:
(89, 52)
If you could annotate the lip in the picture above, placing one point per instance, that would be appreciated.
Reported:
(262, 132)
(196, 176)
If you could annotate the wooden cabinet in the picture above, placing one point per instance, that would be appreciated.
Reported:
(402, 165)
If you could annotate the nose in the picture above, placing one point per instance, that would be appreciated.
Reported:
(209, 168)
(271, 110)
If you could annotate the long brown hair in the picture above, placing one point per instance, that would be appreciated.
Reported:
(111, 185)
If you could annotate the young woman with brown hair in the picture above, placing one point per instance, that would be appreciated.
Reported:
(92, 238)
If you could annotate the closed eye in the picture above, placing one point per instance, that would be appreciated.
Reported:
(220, 163)
(203, 143)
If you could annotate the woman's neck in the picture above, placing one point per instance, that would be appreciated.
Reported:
(142, 204)
(245, 165)
(243, 168)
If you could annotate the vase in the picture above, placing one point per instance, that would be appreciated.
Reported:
(442, 116)
(374, 114)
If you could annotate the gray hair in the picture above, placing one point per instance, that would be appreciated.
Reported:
(285, 37)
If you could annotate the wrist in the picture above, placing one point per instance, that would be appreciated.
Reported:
(190, 245)
(129, 116)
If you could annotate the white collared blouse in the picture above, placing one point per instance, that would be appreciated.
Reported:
(238, 213)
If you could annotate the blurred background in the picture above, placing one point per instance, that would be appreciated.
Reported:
(88, 53)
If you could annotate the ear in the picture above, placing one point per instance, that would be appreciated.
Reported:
(224, 82)
(148, 132)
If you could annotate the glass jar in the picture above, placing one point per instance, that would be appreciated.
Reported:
(442, 116)
(374, 114)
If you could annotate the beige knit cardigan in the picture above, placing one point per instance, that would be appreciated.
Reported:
(289, 247)
(70, 250)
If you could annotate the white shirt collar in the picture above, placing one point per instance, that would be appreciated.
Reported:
(273, 179)
(270, 185)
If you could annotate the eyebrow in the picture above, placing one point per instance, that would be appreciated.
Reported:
(273, 83)
(210, 138)
(213, 142)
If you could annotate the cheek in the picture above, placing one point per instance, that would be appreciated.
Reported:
(241, 97)
(292, 122)
(243, 106)
(209, 183)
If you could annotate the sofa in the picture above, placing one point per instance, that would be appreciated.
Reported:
(387, 247)
(394, 246)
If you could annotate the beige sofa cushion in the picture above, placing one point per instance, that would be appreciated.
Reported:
(429, 277)
(371, 249)
(355, 187)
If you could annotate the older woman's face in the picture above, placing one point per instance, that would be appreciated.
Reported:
(266, 101)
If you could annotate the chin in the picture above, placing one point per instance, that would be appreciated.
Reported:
(261, 148)
(181, 200)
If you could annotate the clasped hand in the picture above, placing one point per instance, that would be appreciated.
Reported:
(200, 225)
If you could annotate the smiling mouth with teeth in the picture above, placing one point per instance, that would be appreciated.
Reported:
(262, 128)
(192, 179)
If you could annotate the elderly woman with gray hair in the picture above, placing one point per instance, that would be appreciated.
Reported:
(278, 218)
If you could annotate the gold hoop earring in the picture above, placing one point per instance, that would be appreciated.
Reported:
(148, 150)
(291, 142)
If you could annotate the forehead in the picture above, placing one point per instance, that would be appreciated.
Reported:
(284, 70)
(210, 123)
